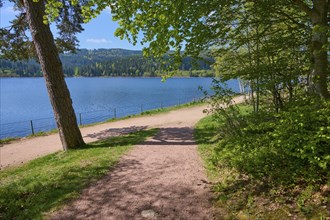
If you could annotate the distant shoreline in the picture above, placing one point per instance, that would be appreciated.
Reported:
(142, 77)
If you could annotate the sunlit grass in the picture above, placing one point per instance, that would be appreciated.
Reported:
(29, 191)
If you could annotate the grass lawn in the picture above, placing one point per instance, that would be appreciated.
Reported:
(42, 185)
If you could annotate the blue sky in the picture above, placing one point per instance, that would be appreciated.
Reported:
(99, 33)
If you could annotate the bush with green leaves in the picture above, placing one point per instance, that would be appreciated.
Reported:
(286, 147)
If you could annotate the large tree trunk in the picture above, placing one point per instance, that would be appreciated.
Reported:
(319, 47)
(51, 66)
(319, 17)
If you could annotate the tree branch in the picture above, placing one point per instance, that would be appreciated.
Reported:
(292, 19)
(303, 6)
(19, 22)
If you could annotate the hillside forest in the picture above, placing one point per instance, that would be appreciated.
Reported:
(107, 63)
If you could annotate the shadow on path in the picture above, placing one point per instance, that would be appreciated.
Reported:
(114, 132)
(172, 136)
(162, 178)
(165, 136)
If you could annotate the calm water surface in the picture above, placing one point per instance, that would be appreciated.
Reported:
(94, 99)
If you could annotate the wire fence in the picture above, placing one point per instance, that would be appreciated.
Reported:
(32, 127)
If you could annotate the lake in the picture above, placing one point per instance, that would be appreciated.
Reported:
(94, 99)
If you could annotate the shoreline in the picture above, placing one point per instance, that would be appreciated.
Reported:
(142, 77)
(24, 150)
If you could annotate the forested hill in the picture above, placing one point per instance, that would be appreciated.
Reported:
(105, 62)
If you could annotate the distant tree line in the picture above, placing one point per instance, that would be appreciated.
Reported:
(108, 63)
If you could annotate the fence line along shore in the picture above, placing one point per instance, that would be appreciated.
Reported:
(35, 126)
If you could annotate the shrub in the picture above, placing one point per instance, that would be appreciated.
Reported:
(290, 146)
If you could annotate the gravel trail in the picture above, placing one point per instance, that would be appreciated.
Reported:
(27, 149)
(162, 178)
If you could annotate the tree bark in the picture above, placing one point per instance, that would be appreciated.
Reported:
(252, 96)
(319, 17)
(51, 66)
(319, 47)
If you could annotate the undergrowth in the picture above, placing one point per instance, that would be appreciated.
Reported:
(269, 165)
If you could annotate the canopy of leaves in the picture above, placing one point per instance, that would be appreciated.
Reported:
(15, 43)
(193, 25)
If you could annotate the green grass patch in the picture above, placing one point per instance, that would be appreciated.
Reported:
(7, 140)
(262, 173)
(30, 191)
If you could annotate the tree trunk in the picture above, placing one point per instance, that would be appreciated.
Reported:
(258, 68)
(290, 89)
(257, 95)
(51, 66)
(319, 47)
(319, 17)
(252, 96)
(240, 86)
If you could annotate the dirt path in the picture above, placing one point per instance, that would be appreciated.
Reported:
(162, 178)
(28, 149)
(31, 148)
